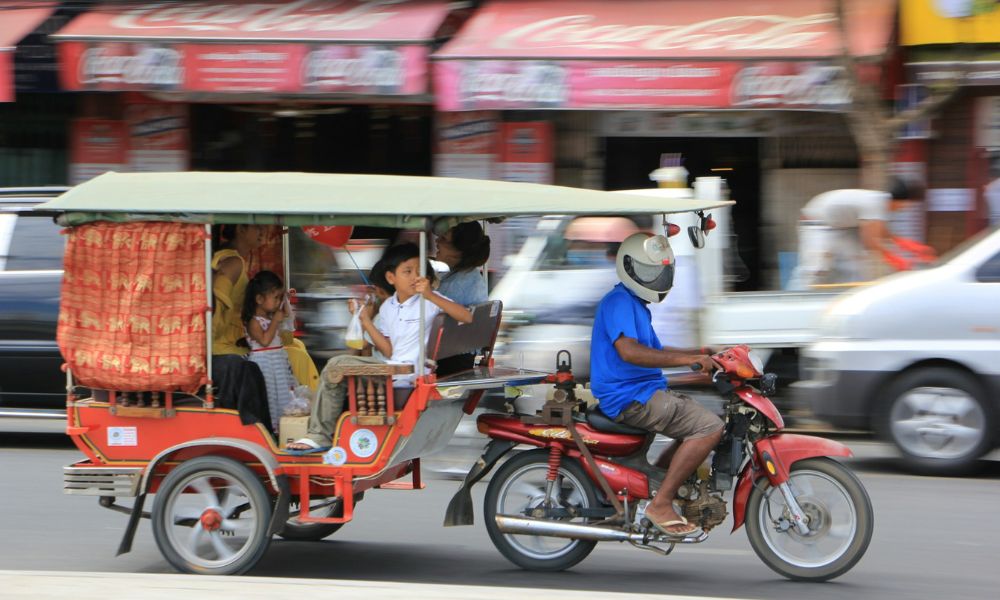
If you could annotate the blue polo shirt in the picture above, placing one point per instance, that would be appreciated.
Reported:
(614, 382)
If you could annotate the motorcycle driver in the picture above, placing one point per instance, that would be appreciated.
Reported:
(626, 359)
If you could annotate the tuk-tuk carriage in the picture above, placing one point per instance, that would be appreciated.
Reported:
(135, 330)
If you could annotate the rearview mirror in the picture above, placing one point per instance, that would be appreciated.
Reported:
(697, 236)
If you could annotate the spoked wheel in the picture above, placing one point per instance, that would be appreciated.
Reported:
(839, 515)
(211, 517)
(517, 489)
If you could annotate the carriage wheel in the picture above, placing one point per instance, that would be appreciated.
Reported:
(211, 516)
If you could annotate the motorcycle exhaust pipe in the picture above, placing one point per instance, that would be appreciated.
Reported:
(526, 526)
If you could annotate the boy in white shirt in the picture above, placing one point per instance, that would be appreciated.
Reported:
(396, 334)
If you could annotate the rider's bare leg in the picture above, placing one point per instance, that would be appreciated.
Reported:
(687, 456)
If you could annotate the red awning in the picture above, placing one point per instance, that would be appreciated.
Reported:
(656, 54)
(17, 19)
(362, 47)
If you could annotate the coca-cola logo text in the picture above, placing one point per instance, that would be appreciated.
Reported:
(381, 68)
(751, 32)
(301, 15)
(813, 86)
(530, 83)
(151, 66)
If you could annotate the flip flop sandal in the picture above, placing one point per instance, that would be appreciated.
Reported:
(695, 530)
(313, 448)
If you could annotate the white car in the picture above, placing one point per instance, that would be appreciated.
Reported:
(916, 358)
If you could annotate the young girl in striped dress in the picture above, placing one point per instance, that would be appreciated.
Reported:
(264, 310)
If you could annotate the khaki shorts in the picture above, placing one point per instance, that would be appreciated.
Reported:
(674, 415)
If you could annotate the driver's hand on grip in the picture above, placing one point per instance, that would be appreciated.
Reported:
(704, 364)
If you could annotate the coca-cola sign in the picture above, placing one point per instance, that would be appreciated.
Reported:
(383, 69)
(531, 83)
(246, 68)
(675, 30)
(300, 15)
(148, 66)
(368, 47)
(315, 20)
(734, 33)
(641, 85)
(776, 85)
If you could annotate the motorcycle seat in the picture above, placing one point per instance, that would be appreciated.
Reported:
(601, 422)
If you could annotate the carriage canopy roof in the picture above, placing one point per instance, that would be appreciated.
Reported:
(329, 199)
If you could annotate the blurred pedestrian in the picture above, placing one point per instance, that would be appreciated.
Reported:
(844, 234)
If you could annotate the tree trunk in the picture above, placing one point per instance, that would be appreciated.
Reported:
(875, 149)
(871, 122)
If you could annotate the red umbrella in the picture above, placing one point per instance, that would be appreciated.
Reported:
(335, 236)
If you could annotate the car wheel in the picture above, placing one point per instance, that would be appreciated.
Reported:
(939, 418)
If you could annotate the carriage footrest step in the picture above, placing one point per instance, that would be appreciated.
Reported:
(401, 485)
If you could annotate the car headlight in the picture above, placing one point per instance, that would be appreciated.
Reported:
(838, 325)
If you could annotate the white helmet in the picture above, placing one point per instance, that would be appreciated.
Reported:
(646, 266)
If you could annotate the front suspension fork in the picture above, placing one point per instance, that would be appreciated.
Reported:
(799, 519)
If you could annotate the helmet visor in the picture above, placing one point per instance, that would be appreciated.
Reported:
(659, 278)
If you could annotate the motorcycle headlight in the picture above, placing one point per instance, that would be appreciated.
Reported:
(756, 362)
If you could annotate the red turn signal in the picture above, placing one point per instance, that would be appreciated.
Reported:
(709, 224)
(673, 229)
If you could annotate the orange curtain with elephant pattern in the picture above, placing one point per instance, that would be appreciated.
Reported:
(133, 306)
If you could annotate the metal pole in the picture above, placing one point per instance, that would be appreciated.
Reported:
(210, 400)
(486, 267)
(285, 261)
(423, 273)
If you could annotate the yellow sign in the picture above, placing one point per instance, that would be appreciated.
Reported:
(949, 21)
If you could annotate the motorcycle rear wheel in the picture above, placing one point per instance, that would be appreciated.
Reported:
(519, 486)
(840, 515)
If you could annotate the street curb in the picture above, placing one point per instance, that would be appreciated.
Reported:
(45, 585)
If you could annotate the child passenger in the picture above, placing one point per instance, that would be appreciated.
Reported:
(394, 333)
(264, 310)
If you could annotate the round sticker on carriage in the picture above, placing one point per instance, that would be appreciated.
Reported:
(335, 456)
(364, 443)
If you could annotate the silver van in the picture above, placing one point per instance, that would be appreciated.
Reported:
(916, 358)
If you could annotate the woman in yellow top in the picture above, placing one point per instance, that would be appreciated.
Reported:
(229, 286)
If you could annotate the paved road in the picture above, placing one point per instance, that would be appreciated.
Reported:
(934, 538)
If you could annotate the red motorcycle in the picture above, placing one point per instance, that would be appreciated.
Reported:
(808, 517)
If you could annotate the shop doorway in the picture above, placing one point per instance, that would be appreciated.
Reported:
(389, 140)
(737, 160)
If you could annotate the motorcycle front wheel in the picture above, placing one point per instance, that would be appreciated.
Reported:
(839, 515)
(517, 489)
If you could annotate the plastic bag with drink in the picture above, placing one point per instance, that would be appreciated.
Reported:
(355, 336)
